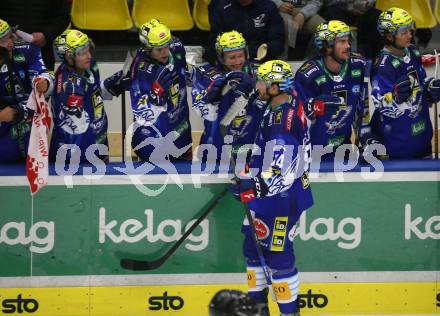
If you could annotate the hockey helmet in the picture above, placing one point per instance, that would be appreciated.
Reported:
(59, 44)
(393, 20)
(276, 71)
(232, 303)
(4, 28)
(75, 42)
(328, 32)
(154, 34)
(229, 41)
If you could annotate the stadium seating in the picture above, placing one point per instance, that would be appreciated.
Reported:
(200, 14)
(101, 15)
(419, 9)
(175, 14)
(437, 10)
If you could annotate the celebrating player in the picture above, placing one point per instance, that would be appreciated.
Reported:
(21, 67)
(224, 95)
(158, 93)
(401, 91)
(332, 84)
(80, 121)
(276, 192)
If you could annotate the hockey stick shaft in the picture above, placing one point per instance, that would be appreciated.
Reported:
(260, 252)
(125, 71)
(142, 265)
(436, 109)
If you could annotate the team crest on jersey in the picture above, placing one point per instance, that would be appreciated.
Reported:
(415, 100)
(340, 118)
(74, 124)
(239, 124)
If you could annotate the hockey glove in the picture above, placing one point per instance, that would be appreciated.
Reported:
(117, 83)
(162, 82)
(322, 105)
(402, 89)
(245, 190)
(245, 82)
(433, 88)
(214, 89)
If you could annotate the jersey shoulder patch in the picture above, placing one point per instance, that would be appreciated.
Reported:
(357, 59)
(309, 69)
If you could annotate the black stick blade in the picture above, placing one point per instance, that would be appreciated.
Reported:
(138, 265)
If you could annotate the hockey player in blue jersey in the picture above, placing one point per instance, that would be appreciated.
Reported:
(21, 66)
(80, 121)
(334, 78)
(224, 95)
(158, 93)
(276, 188)
(401, 91)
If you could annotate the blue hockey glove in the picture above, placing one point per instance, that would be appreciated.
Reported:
(117, 83)
(245, 82)
(402, 89)
(433, 88)
(162, 82)
(322, 105)
(245, 190)
(214, 90)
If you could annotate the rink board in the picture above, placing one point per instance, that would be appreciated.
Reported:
(80, 227)
(185, 300)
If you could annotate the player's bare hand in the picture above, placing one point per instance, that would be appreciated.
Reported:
(286, 8)
(39, 39)
(8, 114)
(42, 85)
(299, 19)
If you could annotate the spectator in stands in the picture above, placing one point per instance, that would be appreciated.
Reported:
(159, 96)
(358, 13)
(21, 69)
(258, 20)
(401, 91)
(299, 17)
(80, 121)
(44, 19)
(224, 96)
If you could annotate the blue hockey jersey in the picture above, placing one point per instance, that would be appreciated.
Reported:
(27, 64)
(243, 127)
(157, 118)
(405, 128)
(284, 140)
(78, 111)
(313, 79)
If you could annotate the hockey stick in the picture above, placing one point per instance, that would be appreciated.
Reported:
(142, 265)
(259, 252)
(435, 109)
(125, 69)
